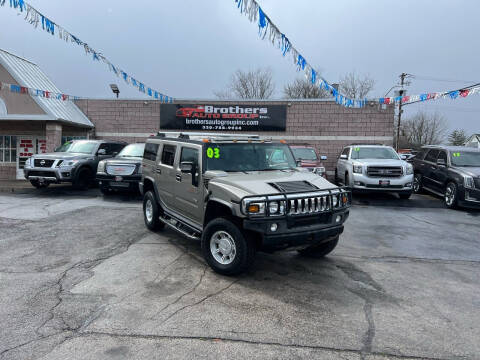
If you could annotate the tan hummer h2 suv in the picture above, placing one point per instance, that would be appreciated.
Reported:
(239, 194)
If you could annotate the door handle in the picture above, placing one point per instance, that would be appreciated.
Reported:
(178, 177)
(158, 170)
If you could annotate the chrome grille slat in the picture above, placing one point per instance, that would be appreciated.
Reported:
(310, 204)
(384, 171)
(119, 169)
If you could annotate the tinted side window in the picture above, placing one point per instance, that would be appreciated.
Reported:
(189, 155)
(443, 155)
(150, 152)
(168, 154)
(117, 147)
(346, 151)
(107, 147)
(432, 155)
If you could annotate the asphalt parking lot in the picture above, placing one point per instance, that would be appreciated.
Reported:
(82, 278)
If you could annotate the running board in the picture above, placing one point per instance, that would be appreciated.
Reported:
(180, 227)
(434, 191)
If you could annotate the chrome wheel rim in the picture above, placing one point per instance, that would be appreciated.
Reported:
(149, 211)
(222, 247)
(449, 195)
(416, 184)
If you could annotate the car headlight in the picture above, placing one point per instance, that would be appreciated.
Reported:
(101, 167)
(254, 206)
(468, 182)
(68, 163)
(409, 169)
(320, 170)
(276, 208)
(357, 169)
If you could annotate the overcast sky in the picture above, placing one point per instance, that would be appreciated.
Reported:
(189, 48)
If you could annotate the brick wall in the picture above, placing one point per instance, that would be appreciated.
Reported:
(323, 124)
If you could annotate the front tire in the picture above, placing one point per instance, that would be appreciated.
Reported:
(151, 212)
(405, 196)
(417, 184)
(225, 248)
(451, 196)
(38, 184)
(319, 251)
(83, 179)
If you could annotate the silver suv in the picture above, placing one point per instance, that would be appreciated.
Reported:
(239, 194)
(374, 168)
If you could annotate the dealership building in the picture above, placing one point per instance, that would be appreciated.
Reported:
(31, 124)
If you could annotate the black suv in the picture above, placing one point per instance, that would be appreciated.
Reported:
(75, 161)
(452, 172)
(122, 172)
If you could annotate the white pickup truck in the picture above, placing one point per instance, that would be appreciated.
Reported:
(373, 168)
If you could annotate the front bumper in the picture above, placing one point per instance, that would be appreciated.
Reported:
(469, 198)
(118, 181)
(297, 231)
(361, 182)
(49, 174)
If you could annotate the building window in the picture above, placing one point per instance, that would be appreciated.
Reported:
(3, 107)
(70, 138)
(8, 148)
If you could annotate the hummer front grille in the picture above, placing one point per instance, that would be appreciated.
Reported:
(309, 205)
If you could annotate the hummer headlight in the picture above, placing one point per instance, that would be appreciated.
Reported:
(276, 208)
(254, 206)
(334, 200)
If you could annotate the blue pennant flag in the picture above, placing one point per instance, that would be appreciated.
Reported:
(141, 87)
(423, 97)
(95, 56)
(149, 92)
(125, 76)
(134, 82)
(314, 76)
(285, 45)
(155, 95)
(15, 88)
(262, 21)
(454, 94)
(301, 62)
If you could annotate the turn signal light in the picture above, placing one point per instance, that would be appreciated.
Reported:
(205, 140)
(345, 199)
(253, 208)
(283, 141)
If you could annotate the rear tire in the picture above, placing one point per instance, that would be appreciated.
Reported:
(151, 212)
(450, 197)
(38, 184)
(83, 179)
(319, 251)
(226, 249)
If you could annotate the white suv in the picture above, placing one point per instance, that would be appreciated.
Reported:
(372, 168)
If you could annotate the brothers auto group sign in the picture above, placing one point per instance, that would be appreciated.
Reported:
(223, 117)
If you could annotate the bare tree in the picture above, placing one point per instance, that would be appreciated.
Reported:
(423, 129)
(355, 86)
(304, 89)
(253, 84)
(457, 137)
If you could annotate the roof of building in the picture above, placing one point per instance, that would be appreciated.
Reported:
(29, 75)
(450, 148)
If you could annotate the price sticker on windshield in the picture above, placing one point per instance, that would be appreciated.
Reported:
(213, 153)
(457, 154)
(356, 149)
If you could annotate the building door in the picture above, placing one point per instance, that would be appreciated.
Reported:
(25, 149)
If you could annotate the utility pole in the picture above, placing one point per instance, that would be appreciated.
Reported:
(401, 93)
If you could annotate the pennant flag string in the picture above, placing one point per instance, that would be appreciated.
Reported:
(17, 89)
(255, 13)
(35, 18)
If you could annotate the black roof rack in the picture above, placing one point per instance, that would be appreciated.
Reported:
(359, 144)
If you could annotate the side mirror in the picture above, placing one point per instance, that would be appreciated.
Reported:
(323, 157)
(186, 167)
(115, 153)
(441, 162)
(299, 163)
(102, 152)
(343, 157)
(56, 149)
(403, 157)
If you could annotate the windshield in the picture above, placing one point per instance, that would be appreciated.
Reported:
(374, 153)
(304, 154)
(465, 158)
(84, 147)
(248, 157)
(132, 150)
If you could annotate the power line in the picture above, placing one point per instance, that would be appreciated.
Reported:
(430, 78)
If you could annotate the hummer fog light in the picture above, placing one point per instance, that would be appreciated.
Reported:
(273, 227)
(338, 218)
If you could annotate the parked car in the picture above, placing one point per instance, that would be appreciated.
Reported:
(239, 194)
(452, 172)
(122, 172)
(307, 157)
(370, 168)
(75, 161)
